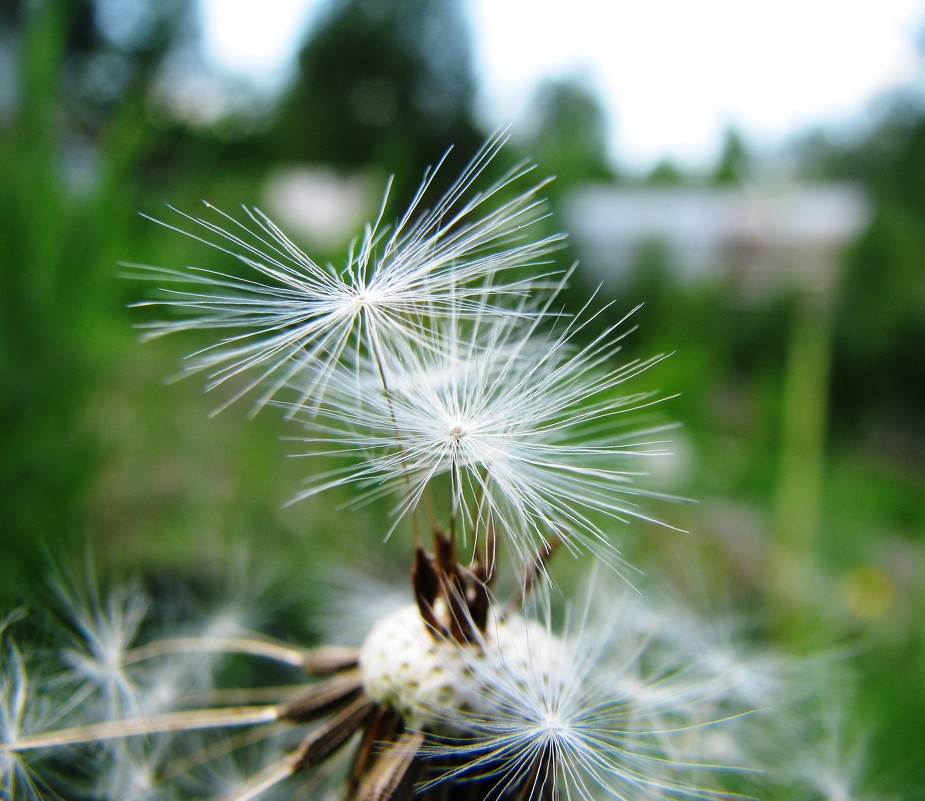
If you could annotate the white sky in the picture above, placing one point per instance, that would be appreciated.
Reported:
(672, 73)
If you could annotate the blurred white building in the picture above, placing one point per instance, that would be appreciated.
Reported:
(319, 205)
(756, 238)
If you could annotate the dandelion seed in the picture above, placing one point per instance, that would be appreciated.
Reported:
(293, 316)
(531, 430)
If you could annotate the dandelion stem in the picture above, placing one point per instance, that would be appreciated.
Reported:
(454, 507)
(376, 351)
(488, 559)
(239, 645)
(193, 720)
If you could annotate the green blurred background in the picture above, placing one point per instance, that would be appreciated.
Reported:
(802, 404)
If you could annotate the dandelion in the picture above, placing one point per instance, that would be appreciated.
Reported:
(436, 359)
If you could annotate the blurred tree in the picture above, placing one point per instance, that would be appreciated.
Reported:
(568, 136)
(734, 163)
(666, 173)
(386, 82)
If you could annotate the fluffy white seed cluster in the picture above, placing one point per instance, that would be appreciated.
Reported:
(431, 681)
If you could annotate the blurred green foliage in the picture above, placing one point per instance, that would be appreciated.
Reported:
(96, 448)
(568, 133)
(62, 232)
(389, 84)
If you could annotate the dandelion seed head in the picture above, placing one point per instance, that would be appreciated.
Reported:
(352, 600)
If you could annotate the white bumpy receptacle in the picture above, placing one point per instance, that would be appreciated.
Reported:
(437, 684)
